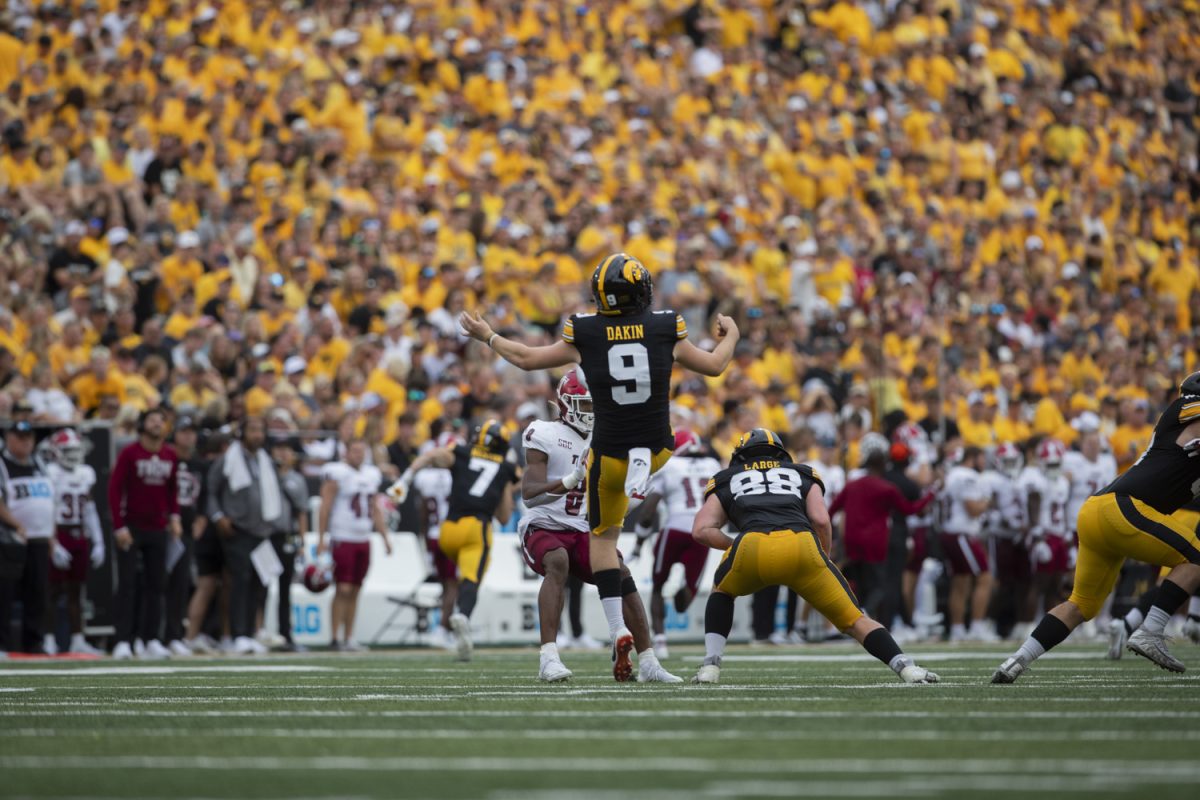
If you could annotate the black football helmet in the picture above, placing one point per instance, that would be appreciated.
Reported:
(493, 437)
(1190, 385)
(622, 285)
(759, 443)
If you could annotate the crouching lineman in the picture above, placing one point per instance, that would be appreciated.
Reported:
(784, 535)
(1132, 517)
(481, 488)
(554, 533)
(78, 538)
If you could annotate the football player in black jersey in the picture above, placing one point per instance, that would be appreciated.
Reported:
(784, 535)
(625, 351)
(1132, 518)
(482, 488)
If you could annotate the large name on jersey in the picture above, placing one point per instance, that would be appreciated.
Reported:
(777, 480)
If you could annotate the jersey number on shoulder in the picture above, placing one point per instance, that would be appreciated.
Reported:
(779, 480)
(630, 363)
(487, 470)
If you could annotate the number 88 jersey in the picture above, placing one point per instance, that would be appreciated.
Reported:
(626, 360)
(765, 495)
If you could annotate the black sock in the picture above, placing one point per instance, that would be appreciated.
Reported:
(575, 605)
(880, 644)
(718, 614)
(608, 582)
(1170, 597)
(1050, 632)
(468, 593)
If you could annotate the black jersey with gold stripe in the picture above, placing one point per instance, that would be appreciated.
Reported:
(626, 360)
(479, 480)
(765, 495)
(1164, 477)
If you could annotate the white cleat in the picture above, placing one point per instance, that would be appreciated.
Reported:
(1154, 647)
(155, 651)
(660, 647)
(179, 648)
(1009, 671)
(351, 646)
(709, 673)
(50, 644)
(202, 646)
(139, 648)
(585, 642)
(462, 634)
(226, 645)
(653, 672)
(914, 674)
(553, 670)
(80, 646)
(441, 638)
(981, 632)
(1191, 630)
(245, 646)
(122, 652)
(1116, 639)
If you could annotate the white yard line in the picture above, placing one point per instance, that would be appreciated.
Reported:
(132, 671)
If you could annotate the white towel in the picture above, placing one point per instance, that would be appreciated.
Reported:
(237, 472)
(637, 476)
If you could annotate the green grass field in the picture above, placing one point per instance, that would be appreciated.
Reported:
(786, 722)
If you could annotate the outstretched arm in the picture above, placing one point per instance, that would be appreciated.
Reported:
(442, 458)
(714, 363)
(558, 354)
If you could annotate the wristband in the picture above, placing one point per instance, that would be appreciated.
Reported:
(570, 481)
(491, 339)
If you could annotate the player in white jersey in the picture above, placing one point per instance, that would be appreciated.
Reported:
(1008, 523)
(1089, 469)
(912, 440)
(679, 486)
(433, 486)
(555, 531)
(349, 512)
(966, 498)
(78, 538)
(1051, 539)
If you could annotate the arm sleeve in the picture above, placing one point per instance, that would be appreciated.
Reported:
(116, 489)
(91, 523)
(213, 489)
(568, 331)
(906, 506)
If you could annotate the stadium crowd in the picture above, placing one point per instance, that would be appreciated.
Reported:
(980, 218)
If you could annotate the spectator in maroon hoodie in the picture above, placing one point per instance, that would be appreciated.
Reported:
(868, 503)
(143, 497)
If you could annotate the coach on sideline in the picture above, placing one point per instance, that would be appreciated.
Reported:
(245, 502)
(143, 497)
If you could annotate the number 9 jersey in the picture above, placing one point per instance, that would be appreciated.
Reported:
(766, 495)
(626, 360)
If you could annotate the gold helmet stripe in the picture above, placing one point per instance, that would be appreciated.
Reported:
(600, 283)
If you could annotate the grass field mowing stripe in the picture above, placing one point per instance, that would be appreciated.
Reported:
(955, 766)
(588, 734)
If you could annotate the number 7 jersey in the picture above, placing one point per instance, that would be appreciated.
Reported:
(480, 478)
(766, 495)
(626, 360)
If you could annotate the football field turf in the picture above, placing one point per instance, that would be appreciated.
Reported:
(786, 722)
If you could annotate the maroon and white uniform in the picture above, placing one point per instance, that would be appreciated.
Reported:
(434, 486)
(76, 523)
(1051, 535)
(350, 520)
(1087, 478)
(963, 535)
(562, 521)
(681, 484)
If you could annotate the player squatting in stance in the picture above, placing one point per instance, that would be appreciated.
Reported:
(349, 512)
(1132, 517)
(481, 486)
(625, 353)
(680, 487)
(78, 538)
(783, 535)
(554, 533)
